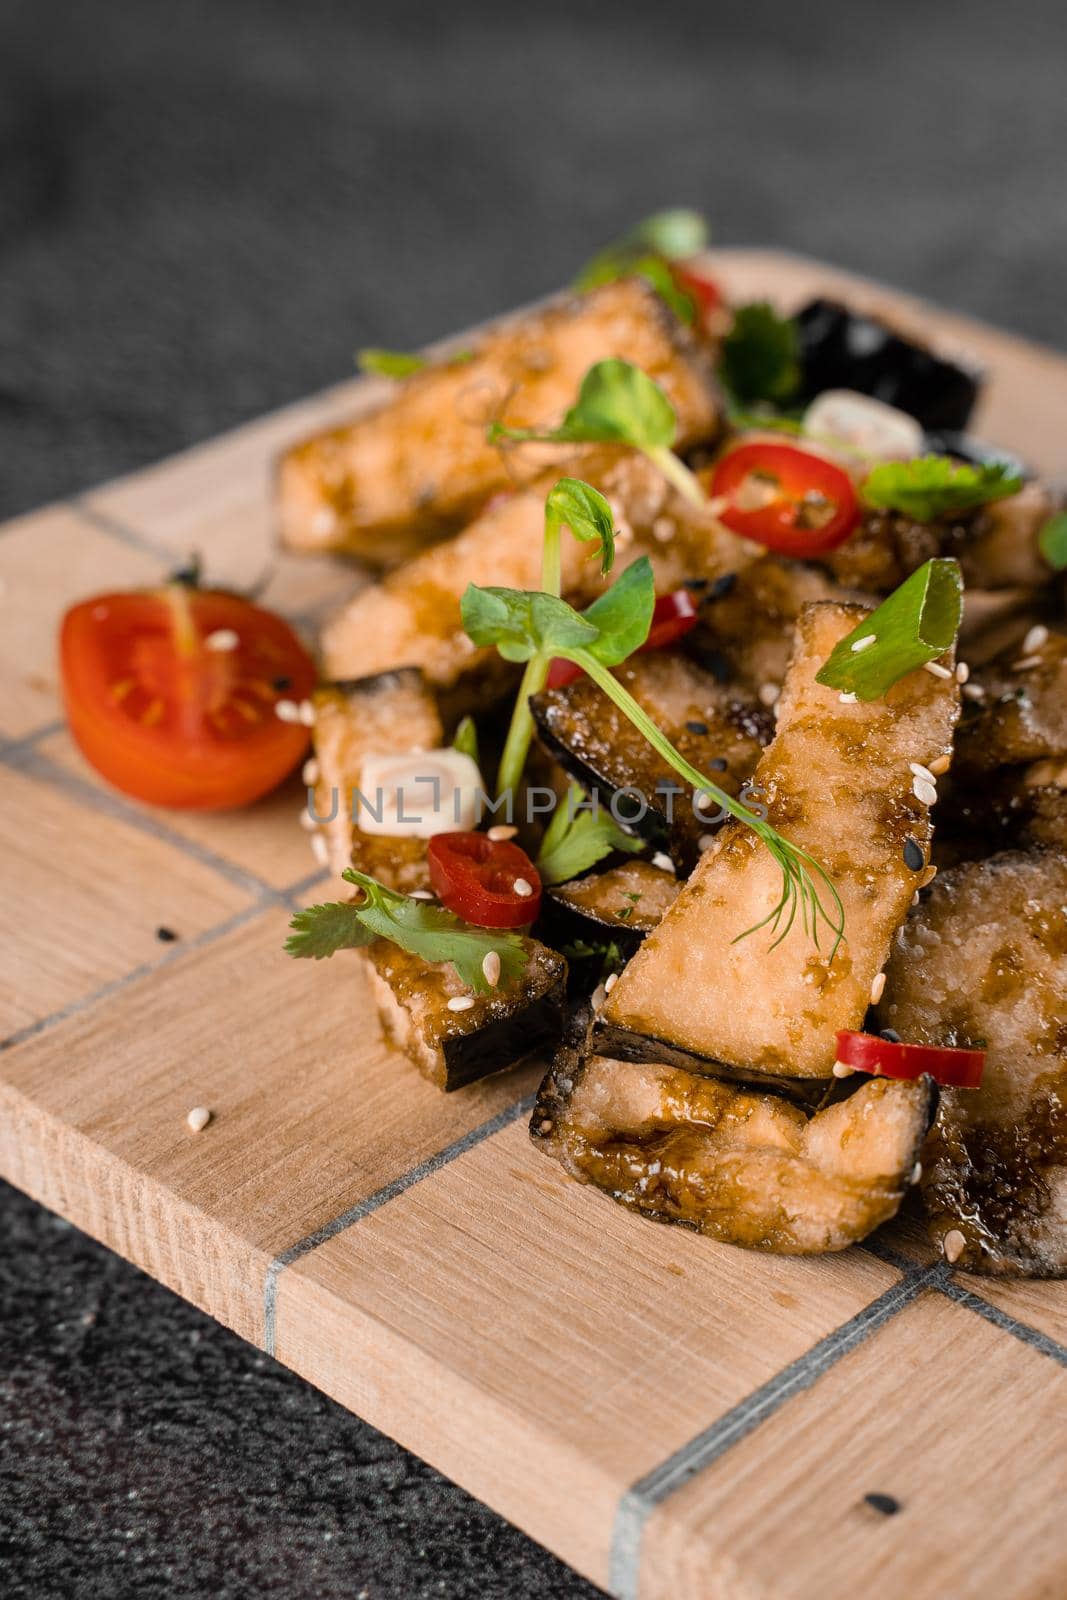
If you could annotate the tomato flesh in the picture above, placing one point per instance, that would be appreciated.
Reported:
(787, 499)
(891, 1058)
(672, 618)
(475, 877)
(170, 694)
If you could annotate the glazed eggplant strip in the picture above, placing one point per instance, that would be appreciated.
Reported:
(838, 781)
(419, 467)
(744, 1167)
(412, 618)
(720, 731)
(984, 960)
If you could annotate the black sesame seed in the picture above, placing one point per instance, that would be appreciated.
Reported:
(697, 727)
(281, 684)
(914, 859)
(717, 763)
(885, 1503)
(696, 584)
(166, 935)
(890, 1035)
(722, 586)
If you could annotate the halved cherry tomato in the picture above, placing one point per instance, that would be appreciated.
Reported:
(787, 499)
(171, 694)
(889, 1058)
(475, 877)
(673, 616)
(700, 285)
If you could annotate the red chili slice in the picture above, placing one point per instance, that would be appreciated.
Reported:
(672, 618)
(700, 286)
(888, 1058)
(476, 877)
(787, 499)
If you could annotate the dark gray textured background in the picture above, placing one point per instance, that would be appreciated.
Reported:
(204, 208)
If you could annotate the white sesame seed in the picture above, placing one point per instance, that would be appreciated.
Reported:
(307, 821)
(323, 521)
(936, 670)
(1026, 663)
(847, 699)
(916, 1172)
(1036, 639)
(502, 830)
(307, 713)
(974, 691)
(461, 1002)
(610, 982)
(420, 894)
(841, 1069)
(926, 792)
(523, 888)
(864, 643)
(598, 996)
(953, 1244)
(320, 849)
(940, 766)
(663, 862)
(919, 771)
(915, 898)
(222, 639)
(705, 842)
(768, 693)
(877, 988)
(310, 771)
(198, 1118)
(287, 710)
(663, 529)
(491, 968)
(963, 672)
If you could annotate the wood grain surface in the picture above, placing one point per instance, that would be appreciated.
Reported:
(674, 1418)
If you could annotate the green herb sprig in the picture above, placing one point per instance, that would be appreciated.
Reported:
(580, 834)
(402, 363)
(422, 929)
(618, 404)
(1052, 541)
(646, 251)
(937, 486)
(917, 623)
(536, 627)
(760, 361)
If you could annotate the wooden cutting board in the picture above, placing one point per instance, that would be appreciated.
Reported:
(672, 1417)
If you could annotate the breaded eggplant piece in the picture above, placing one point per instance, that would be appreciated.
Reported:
(983, 960)
(748, 618)
(627, 899)
(744, 1167)
(454, 1048)
(389, 713)
(412, 617)
(706, 993)
(707, 722)
(1023, 712)
(418, 467)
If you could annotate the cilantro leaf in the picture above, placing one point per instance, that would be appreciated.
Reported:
(760, 356)
(1052, 541)
(917, 623)
(320, 931)
(623, 614)
(584, 510)
(422, 929)
(390, 363)
(937, 486)
(523, 623)
(579, 835)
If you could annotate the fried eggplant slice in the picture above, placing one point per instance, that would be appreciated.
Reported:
(389, 713)
(983, 960)
(628, 899)
(721, 732)
(705, 992)
(454, 1048)
(748, 619)
(1023, 715)
(417, 468)
(744, 1167)
(412, 617)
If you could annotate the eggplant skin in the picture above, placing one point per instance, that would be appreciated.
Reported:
(743, 1167)
(844, 349)
(983, 961)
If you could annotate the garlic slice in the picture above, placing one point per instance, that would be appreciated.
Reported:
(845, 418)
(418, 794)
